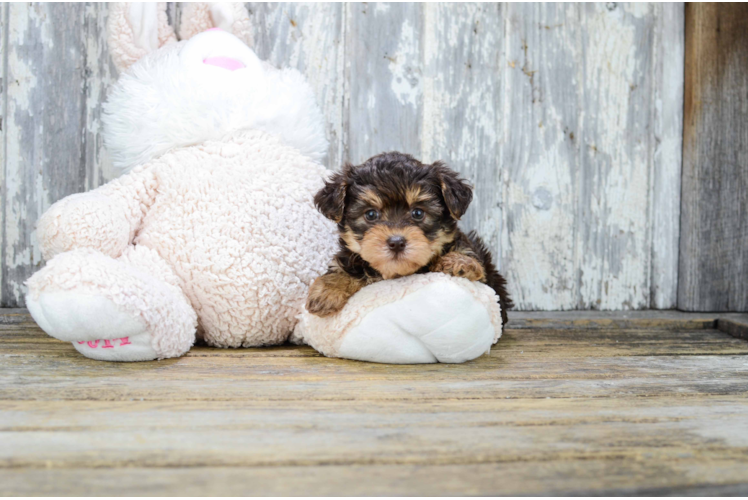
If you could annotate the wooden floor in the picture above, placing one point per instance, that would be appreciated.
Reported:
(564, 404)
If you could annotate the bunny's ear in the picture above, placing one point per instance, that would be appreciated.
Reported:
(135, 29)
(229, 16)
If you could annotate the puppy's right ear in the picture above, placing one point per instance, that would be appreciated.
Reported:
(330, 200)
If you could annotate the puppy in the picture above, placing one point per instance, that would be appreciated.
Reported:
(396, 217)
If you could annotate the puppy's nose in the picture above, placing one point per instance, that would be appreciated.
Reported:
(396, 243)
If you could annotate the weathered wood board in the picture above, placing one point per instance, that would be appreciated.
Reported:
(57, 70)
(579, 155)
(687, 477)
(566, 118)
(661, 409)
(714, 216)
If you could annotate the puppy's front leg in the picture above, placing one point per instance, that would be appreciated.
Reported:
(330, 292)
(460, 265)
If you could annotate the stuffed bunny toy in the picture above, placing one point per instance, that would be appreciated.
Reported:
(210, 232)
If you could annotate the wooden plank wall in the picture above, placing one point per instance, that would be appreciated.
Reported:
(714, 217)
(55, 73)
(566, 117)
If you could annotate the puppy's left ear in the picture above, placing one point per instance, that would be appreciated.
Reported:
(330, 200)
(456, 191)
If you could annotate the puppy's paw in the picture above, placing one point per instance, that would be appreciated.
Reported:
(325, 304)
(460, 265)
(325, 298)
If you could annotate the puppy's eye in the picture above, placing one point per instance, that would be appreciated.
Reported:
(371, 215)
(417, 214)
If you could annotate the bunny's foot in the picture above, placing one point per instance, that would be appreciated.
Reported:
(126, 309)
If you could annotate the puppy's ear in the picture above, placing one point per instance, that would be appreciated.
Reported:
(456, 191)
(330, 200)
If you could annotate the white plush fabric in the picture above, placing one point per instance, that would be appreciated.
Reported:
(170, 98)
(425, 318)
(143, 18)
(77, 316)
(134, 348)
(85, 318)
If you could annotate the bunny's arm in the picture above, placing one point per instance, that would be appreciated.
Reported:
(105, 219)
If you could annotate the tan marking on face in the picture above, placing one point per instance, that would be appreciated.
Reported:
(375, 251)
(350, 240)
(442, 238)
(372, 198)
(414, 195)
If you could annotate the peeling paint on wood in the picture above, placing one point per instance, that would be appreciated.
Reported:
(566, 118)
(384, 51)
(43, 128)
(308, 37)
(578, 152)
(461, 106)
(4, 13)
(100, 74)
(668, 66)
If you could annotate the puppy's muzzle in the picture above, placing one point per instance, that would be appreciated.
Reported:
(396, 244)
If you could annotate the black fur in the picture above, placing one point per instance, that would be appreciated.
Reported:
(493, 278)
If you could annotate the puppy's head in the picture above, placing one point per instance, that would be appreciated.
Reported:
(394, 211)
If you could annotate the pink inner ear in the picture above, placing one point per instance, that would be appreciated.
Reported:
(213, 29)
(224, 62)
